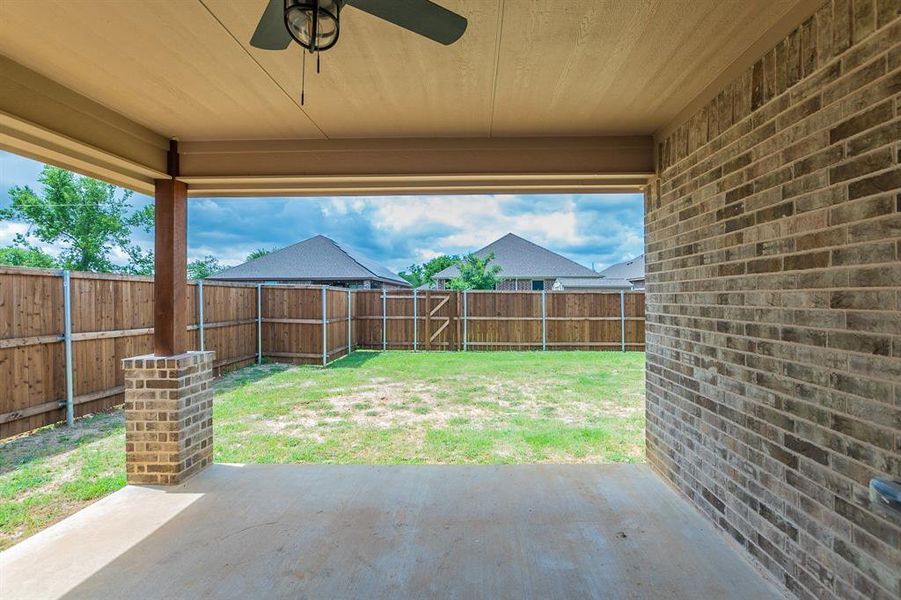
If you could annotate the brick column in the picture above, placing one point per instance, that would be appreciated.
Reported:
(168, 417)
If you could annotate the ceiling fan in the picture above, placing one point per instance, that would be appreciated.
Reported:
(314, 24)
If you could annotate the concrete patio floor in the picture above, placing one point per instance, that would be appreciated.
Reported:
(299, 531)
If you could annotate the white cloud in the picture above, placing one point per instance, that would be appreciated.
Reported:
(10, 229)
(473, 221)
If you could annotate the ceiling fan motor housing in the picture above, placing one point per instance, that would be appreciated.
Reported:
(314, 24)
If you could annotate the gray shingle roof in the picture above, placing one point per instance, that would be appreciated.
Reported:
(316, 259)
(630, 269)
(519, 258)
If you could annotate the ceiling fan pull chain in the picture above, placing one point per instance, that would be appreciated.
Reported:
(303, 74)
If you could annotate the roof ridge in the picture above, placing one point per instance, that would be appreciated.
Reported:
(364, 267)
(350, 256)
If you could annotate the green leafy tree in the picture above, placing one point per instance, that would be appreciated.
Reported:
(203, 267)
(425, 273)
(139, 261)
(258, 253)
(26, 257)
(476, 274)
(86, 217)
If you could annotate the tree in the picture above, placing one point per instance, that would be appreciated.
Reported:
(203, 267)
(86, 217)
(26, 257)
(476, 274)
(424, 274)
(258, 253)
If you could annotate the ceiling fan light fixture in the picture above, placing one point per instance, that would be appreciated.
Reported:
(314, 24)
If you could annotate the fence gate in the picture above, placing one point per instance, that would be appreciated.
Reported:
(440, 311)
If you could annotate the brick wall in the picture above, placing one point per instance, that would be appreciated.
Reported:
(774, 304)
(168, 417)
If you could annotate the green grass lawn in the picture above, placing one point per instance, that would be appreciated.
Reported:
(391, 407)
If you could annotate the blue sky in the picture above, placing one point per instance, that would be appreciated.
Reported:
(395, 230)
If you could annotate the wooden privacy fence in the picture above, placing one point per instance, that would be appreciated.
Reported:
(63, 335)
(498, 320)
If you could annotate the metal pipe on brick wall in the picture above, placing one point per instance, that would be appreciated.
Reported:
(324, 326)
(67, 339)
(259, 323)
(465, 332)
(200, 314)
(384, 320)
(415, 322)
(622, 319)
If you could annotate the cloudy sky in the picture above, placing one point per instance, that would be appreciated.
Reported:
(397, 231)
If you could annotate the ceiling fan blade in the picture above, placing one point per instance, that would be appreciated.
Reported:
(271, 33)
(419, 16)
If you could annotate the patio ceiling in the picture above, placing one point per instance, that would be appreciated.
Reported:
(564, 76)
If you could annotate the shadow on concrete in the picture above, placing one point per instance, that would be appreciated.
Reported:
(395, 531)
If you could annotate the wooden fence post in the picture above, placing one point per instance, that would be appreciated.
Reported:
(349, 324)
(67, 337)
(622, 319)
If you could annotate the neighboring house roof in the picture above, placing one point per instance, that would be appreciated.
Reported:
(631, 269)
(573, 283)
(521, 259)
(316, 259)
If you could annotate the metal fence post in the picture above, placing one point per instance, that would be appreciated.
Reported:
(384, 321)
(415, 321)
(324, 326)
(200, 313)
(259, 323)
(543, 320)
(67, 339)
(349, 324)
(465, 332)
(622, 319)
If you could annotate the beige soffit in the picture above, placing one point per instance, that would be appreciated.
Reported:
(123, 77)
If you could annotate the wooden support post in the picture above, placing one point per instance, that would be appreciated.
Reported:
(170, 305)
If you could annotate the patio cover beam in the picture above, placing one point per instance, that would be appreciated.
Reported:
(417, 166)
